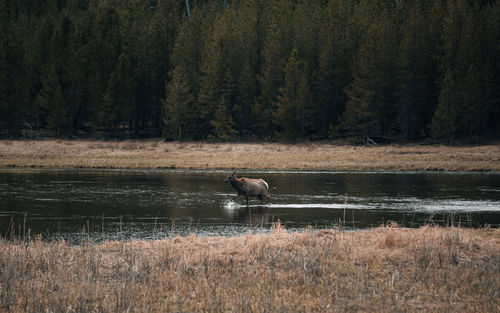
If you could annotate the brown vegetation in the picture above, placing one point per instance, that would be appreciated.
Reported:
(157, 155)
(430, 269)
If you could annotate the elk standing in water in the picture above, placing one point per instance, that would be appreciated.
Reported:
(249, 187)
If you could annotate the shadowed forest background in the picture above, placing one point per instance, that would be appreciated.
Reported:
(286, 70)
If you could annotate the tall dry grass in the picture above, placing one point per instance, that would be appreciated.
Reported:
(153, 154)
(430, 269)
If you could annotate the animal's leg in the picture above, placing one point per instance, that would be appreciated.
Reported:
(247, 199)
(237, 197)
(267, 195)
(261, 199)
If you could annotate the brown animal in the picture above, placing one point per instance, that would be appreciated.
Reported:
(249, 187)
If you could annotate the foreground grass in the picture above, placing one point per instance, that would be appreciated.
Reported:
(157, 154)
(430, 269)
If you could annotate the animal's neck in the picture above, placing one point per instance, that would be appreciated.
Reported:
(236, 182)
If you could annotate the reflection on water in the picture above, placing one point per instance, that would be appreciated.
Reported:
(133, 204)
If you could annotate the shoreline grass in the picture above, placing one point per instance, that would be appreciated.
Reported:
(389, 269)
(156, 154)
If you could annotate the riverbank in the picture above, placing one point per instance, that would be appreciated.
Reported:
(430, 269)
(156, 154)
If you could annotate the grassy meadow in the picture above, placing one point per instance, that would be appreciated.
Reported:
(156, 154)
(386, 269)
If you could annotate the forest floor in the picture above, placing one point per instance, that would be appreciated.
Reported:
(385, 269)
(156, 154)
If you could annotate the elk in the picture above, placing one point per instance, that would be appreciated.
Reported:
(249, 187)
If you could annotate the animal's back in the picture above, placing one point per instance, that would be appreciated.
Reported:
(254, 187)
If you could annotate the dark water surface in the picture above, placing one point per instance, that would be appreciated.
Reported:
(96, 205)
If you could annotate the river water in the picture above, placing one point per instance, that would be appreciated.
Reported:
(125, 205)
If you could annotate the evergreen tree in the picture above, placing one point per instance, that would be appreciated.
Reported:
(246, 85)
(105, 44)
(118, 99)
(489, 69)
(270, 80)
(222, 121)
(79, 94)
(337, 46)
(62, 111)
(294, 113)
(452, 120)
(371, 106)
(277, 46)
(306, 31)
(211, 80)
(415, 72)
(243, 61)
(58, 118)
(182, 112)
(162, 31)
(218, 75)
(444, 122)
(14, 107)
(51, 103)
(4, 90)
(179, 106)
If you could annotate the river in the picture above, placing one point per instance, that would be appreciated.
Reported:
(84, 205)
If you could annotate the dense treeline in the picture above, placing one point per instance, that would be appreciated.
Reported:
(251, 69)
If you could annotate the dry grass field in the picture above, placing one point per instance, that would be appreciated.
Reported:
(391, 269)
(156, 154)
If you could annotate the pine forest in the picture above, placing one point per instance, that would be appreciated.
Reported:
(229, 70)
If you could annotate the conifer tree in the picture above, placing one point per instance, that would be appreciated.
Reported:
(51, 102)
(105, 44)
(62, 111)
(118, 101)
(415, 72)
(4, 90)
(218, 76)
(371, 106)
(451, 120)
(243, 60)
(78, 70)
(222, 121)
(270, 80)
(211, 79)
(306, 31)
(58, 118)
(246, 89)
(182, 113)
(444, 121)
(294, 114)
(15, 106)
(336, 47)
(179, 106)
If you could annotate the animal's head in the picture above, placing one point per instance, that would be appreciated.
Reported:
(230, 177)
